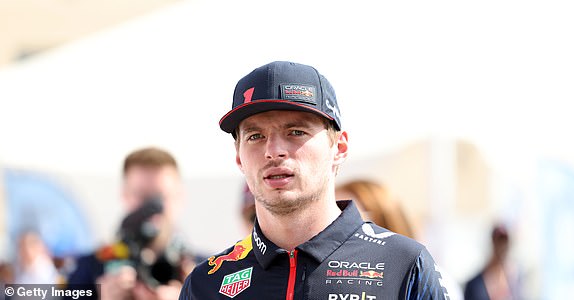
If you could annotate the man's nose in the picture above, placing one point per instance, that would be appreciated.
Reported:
(275, 147)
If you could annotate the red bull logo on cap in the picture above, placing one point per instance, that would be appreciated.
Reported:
(240, 251)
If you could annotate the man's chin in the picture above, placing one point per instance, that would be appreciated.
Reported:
(281, 195)
(284, 203)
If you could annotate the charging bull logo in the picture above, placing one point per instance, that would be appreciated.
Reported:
(240, 251)
(371, 274)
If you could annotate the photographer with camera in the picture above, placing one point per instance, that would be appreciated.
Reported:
(147, 260)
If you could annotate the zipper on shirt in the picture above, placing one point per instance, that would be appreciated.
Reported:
(292, 274)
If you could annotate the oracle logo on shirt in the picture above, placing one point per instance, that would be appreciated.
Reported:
(339, 264)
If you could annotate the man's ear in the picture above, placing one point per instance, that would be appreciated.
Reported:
(342, 149)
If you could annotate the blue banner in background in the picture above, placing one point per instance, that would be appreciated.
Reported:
(556, 198)
(38, 203)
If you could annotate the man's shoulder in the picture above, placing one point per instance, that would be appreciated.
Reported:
(204, 265)
(207, 276)
(230, 256)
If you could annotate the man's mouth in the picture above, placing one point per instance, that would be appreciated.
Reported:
(278, 176)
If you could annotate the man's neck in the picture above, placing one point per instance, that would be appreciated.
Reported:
(291, 230)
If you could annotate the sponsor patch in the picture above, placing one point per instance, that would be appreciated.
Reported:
(240, 251)
(333, 108)
(369, 235)
(371, 274)
(235, 283)
(355, 273)
(299, 92)
(355, 265)
(361, 296)
(259, 242)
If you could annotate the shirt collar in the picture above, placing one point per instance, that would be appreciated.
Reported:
(320, 246)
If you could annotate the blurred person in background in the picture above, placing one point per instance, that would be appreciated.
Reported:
(376, 204)
(148, 260)
(499, 278)
(34, 262)
(247, 210)
(6, 273)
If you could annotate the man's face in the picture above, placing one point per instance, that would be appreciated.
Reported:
(288, 159)
(143, 181)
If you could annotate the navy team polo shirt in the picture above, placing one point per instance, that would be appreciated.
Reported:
(349, 260)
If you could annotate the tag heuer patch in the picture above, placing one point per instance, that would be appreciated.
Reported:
(299, 92)
(235, 283)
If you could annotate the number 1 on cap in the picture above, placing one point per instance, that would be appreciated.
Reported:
(248, 94)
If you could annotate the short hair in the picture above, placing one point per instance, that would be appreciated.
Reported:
(152, 157)
(332, 131)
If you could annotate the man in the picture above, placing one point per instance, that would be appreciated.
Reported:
(34, 263)
(305, 244)
(152, 194)
(499, 278)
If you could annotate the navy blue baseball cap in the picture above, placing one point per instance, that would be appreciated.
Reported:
(282, 85)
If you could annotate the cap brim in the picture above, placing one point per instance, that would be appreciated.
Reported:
(231, 120)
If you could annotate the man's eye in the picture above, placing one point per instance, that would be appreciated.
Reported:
(254, 137)
(297, 132)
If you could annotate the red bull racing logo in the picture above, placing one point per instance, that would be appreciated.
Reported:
(298, 92)
(354, 273)
(240, 251)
